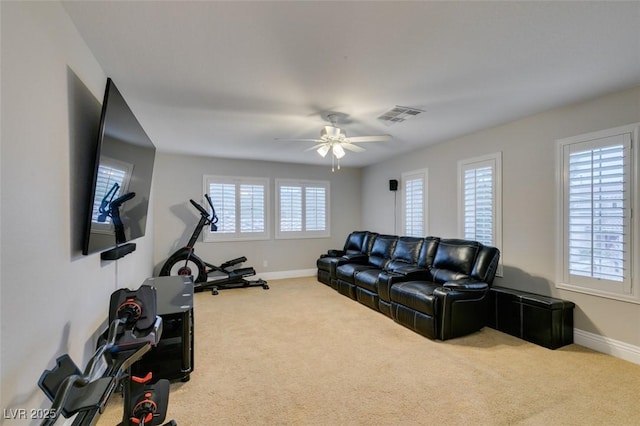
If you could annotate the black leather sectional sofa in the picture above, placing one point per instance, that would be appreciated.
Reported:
(437, 287)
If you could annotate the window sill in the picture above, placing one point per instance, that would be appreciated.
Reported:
(629, 298)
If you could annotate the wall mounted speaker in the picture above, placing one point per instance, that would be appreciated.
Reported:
(393, 185)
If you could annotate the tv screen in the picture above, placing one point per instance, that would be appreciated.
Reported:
(121, 184)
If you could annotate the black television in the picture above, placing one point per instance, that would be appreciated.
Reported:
(121, 184)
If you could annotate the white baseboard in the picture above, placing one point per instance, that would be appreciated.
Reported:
(606, 345)
(279, 275)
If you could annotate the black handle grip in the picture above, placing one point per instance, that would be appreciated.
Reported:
(203, 212)
(209, 201)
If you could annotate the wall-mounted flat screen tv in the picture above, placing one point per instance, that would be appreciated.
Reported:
(121, 185)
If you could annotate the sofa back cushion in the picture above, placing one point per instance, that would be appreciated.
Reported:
(405, 253)
(486, 264)
(367, 244)
(381, 250)
(355, 242)
(428, 252)
(454, 259)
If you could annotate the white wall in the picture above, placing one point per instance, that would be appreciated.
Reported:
(529, 210)
(53, 299)
(179, 178)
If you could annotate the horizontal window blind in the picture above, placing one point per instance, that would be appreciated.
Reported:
(414, 206)
(290, 208)
(598, 212)
(302, 209)
(316, 212)
(223, 197)
(479, 204)
(241, 207)
(252, 208)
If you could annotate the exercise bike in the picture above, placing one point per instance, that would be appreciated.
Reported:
(207, 276)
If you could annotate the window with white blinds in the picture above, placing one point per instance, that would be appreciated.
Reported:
(480, 200)
(303, 208)
(596, 201)
(478, 204)
(414, 207)
(241, 207)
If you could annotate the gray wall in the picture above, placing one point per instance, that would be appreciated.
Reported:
(179, 178)
(529, 208)
(53, 300)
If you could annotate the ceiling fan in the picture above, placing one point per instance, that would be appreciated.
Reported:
(334, 140)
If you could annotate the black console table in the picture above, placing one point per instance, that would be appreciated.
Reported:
(172, 358)
(542, 320)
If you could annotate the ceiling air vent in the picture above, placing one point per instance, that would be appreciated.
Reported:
(399, 114)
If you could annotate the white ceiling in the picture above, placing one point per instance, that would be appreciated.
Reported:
(227, 78)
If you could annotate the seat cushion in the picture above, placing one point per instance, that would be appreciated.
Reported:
(417, 295)
(348, 271)
(368, 279)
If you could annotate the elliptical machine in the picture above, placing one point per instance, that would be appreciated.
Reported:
(206, 275)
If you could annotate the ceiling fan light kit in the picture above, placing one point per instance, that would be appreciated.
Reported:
(334, 139)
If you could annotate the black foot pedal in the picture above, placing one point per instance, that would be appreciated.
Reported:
(242, 272)
(233, 262)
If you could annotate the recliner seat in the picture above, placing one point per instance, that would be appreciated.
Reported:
(377, 259)
(356, 244)
(405, 253)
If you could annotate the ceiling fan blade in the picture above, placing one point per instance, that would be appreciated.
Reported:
(298, 140)
(381, 138)
(315, 147)
(353, 148)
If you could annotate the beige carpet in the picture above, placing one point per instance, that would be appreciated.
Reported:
(302, 354)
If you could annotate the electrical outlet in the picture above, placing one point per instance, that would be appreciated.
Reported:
(265, 263)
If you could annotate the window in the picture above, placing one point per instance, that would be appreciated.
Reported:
(480, 200)
(241, 207)
(595, 199)
(414, 203)
(303, 209)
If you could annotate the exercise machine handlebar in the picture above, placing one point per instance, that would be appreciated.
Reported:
(203, 212)
(77, 380)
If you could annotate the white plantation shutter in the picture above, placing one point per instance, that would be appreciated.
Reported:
(223, 197)
(597, 213)
(596, 228)
(316, 208)
(241, 207)
(480, 201)
(252, 208)
(479, 204)
(302, 209)
(290, 208)
(414, 205)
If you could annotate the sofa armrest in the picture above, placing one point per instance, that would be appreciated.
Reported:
(334, 253)
(354, 258)
(388, 278)
(463, 306)
(466, 284)
(412, 273)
